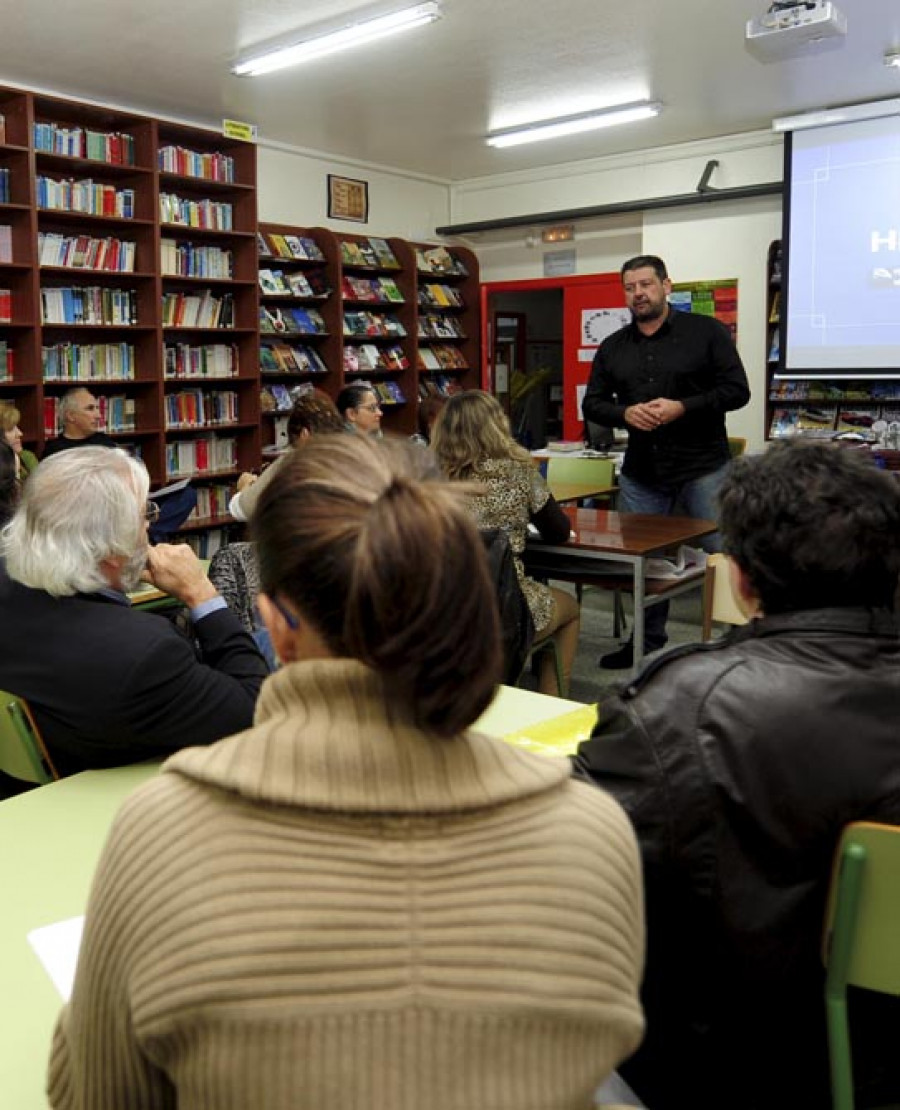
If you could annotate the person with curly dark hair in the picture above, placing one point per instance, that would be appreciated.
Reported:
(740, 762)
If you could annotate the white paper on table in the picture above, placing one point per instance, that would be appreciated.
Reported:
(57, 947)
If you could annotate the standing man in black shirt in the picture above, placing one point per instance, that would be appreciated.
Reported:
(669, 377)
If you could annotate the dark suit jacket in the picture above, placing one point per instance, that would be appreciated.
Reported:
(109, 685)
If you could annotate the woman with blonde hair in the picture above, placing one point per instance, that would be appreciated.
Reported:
(359, 901)
(11, 433)
(472, 441)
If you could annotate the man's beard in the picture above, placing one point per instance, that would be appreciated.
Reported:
(132, 570)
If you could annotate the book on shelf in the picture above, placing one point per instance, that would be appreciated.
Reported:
(775, 346)
(7, 362)
(2, 128)
(438, 260)
(89, 305)
(6, 253)
(4, 185)
(210, 215)
(856, 420)
(5, 306)
(83, 362)
(200, 260)
(775, 310)
(383, 255)
(212, 360)
(203, 309)
(87, 197)
(212, 165)
(298, 284)
(272, 283)
(817, 421)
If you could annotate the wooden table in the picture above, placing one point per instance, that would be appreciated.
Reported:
(50, 840)
(601, 537)
(579, 491)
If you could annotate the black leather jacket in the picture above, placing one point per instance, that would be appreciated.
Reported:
(739, 762)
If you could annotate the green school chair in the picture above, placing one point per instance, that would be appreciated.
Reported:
(22, 752)
(861, 945)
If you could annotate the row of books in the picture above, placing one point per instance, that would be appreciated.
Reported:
(440, 327)
(204, 455)
(389, 392)
(6, 254)
(4, 185)
(89, 304)
(373, 324)
(211, 165)
(370, 254)
(206, 360)
(276, 398)
(84, 252)
(185, 259)
(437, 385)
(824, 421)
(82, 362)
(290, 358)
(440, 296)
(793, 389)
(214, 215)
(441, 356)
(277, 283)
(117, 414)
(382, 290)
(115, 147)
(203, 309)
(7, 362)
(298, 247)
(198, 408)
(291, 321)
(87, 196)
(5, 306)
(369, 357)
(438, 260)
(212, 501)
(205, 544)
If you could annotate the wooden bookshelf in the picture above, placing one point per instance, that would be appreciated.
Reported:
(112, 226)
(130, 262)
(821, 408)
(449, 319)
(299, 318)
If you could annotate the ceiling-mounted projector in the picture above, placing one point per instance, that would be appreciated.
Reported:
(796, 31)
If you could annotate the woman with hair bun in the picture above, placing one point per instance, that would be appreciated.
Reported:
(360, 902)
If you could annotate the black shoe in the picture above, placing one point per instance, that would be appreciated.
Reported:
(619, 660)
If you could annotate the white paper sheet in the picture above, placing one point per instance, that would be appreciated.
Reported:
(57, 947)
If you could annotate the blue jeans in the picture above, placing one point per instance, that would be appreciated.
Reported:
(697, 498)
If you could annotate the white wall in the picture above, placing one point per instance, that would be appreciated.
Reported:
(292, 189)
(727, 240)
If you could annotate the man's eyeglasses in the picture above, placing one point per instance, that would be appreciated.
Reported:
(151, 512)
(370, 408)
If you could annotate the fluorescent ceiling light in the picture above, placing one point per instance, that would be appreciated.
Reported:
(848, 114)
(892, 58)
(574, 125)
(367, 30)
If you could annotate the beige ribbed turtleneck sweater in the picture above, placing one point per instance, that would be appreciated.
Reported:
(333, 911)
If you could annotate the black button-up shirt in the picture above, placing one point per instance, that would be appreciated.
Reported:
(690, 359)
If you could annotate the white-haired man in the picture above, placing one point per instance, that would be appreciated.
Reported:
(109, 685)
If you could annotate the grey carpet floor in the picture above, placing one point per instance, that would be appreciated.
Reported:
(590, 682)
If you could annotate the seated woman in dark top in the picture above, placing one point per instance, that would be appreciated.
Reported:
(472, 440)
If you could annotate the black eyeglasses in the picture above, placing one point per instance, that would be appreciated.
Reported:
(151, 512)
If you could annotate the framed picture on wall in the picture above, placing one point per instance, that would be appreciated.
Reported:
(348, 199)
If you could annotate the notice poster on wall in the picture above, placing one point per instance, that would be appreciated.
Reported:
(598, 323)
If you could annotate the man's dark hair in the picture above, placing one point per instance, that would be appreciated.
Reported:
(813, 525)
(640, 261)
